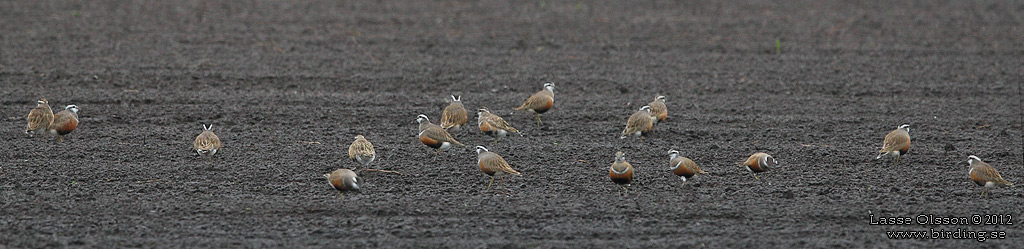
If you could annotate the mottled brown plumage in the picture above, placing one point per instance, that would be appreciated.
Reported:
(985, 175)
(759, 162)
(621, 172)
(361, 151)
(540, 102)
(640, 123)
(454, 116)
(207, 144)
(343, 180)
(896, 143)
(493, 125)
(64, 122)
(658, 108)
(434, 136)
(683, 166)
(39, 118)
(493, 165)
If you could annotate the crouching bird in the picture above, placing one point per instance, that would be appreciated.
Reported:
(39, 118)
(493, 125)
(434, 136)
(759, 162)
(540, 102)
(64, 122)
(639, 124)
(683, 166)
(621, 172)
(985, 175)
(658, 109)
(454, 116)
(207, 144)
(361, 151)
(493, 165)
(343, 180)
(896, 143)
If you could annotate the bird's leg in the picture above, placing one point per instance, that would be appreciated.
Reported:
(897, 160)
(755, 177)
(436, 153)
(489, 184)
(495, 139)
(538, 119)
(501, 181)
(60, 138)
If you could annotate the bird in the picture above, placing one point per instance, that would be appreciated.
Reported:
(896, 143)
(39, 118)
(207, 143)
(985, 175)
(433, 136)
(493, 165)
(454, 116)
(621, 172)
(658, 108)
(759, 162)
(64, 122)
(540, 102)
(493, 125)
(343, 180)
(682, 166)
(640, 123)
(361, 151)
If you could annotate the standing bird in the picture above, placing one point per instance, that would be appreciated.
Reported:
(682, 166)
(433, 136)
(640, 123)
(454, 116)
(64, 122)
(985, 175)
(759, 162)
(343, 180)
(361, 151)
(493, 165)
(621, 172)
(540, 102)
(493, 125)
(658, 108)
(207, 143)
(39, 118)
(896, 143)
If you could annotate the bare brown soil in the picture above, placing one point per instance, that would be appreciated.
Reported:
(288, 84)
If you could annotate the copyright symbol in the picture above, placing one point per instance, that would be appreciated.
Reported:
(976, 219)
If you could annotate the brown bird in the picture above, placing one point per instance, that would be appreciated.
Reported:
(39, 118)
(621, 172)
(207, 143)
(361, 151)
(759, 162)
(658, 108)
(493, 165)
(985, 175)
(896, 143)
(64, 122)
(454, 116)
(540, 102)
(682, 166)
(433, 136)
(493, 125)
(343, 180)
(640, 123)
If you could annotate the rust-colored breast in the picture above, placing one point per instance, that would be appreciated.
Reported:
(624, 178)
(428, 141)
(486, 127)
(546, 105)
(685, 169)
(67, 127)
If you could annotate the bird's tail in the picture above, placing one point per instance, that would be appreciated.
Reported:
(702, 172)
(1005, 182)
(521, 107)
(511, 171)
(456, 142)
